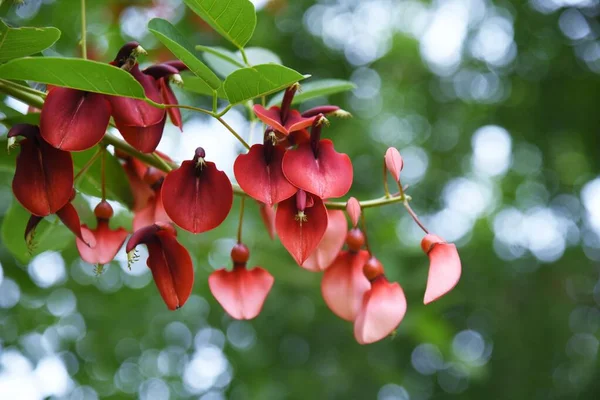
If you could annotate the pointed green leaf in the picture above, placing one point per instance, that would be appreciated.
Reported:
(75, 73)
(196, 85)
(117, 185)
(224, 62)
(235, 20)
(50, 234)
(313, 89)
(178, 45)
(260, 80)
(21, 42)
(221, 60)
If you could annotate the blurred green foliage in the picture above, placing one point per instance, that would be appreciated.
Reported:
(522, 323)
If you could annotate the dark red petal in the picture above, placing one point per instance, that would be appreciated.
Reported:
(26, 130)
(68, 216)
(330, 245)
(152, 213)
(32, 223)
(133, 112)
(108, 243)
(73, 120)
(172, 269)
(344, 284)
(329, 175)
(383, 308)
(177, 64)
(268, 217)
(241, 292)
(296, 122)
(144, 139)
(168, 97)
(144, 235)
(261, 181)
(270, 117)
(43, 180)
(300, 239)
(197, 203)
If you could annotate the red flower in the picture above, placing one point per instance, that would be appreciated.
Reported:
(169, 261)
(43, 181)
(344, 283)
(153, 212)
(73, 120)
(301, 222)
(331, 243)
(162, 73)
(383, 306)
(317, 168)
(259, 173)
(444, 267)
(197, 196)
(268, 217)
(108, 241)
(140, 123)
(135, 171)
(241, 292)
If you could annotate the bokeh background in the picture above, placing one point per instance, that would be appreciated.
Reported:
(494, 107)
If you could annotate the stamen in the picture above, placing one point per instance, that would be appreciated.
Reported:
(132, 257)
(301, 217)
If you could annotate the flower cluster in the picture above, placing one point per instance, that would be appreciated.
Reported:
(292, 175)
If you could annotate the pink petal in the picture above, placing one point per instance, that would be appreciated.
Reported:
(69, 217)
(108, 243)
(268, 217)
(330, 245)
(295, 121)
(393, 162)
(152, 213)
(344, 284)
(241, 292)
(328, 176)
(271, 117)
(444, 271)
(382, 310)
(353, 210)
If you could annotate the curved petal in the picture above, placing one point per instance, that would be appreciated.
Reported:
(152, 213)
(68, 215)
(330, 245)
(143, 138)
(73, 120)
(108, 243)
(271, 117)
(43, 180)
(295, 121)
(393, 162)
(329, 175)
(382, 310)
(197, 202)
(299, 237)
(142, 192)
(241, 292)
(268, 216)
(134, 112)
(344, 284)
(444, 271)
(261, 181)
(172, 269)
(168, 97)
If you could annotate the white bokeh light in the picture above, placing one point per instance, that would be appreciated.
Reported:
(491, 150)
(47, 269)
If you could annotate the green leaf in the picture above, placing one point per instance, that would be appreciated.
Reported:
(75, 73)
(235, 20)
(50, 234)
(21, 42)
(178, 45)
(260, 80)
(7, 161)
(197, 85)
(225, 62)
(221, 60)
(313, 89)
(31, 118)
(117, 185)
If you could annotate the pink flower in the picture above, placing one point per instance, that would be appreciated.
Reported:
(444, 267)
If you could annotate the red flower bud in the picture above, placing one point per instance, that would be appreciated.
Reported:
(393, 162)
(353, 209)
